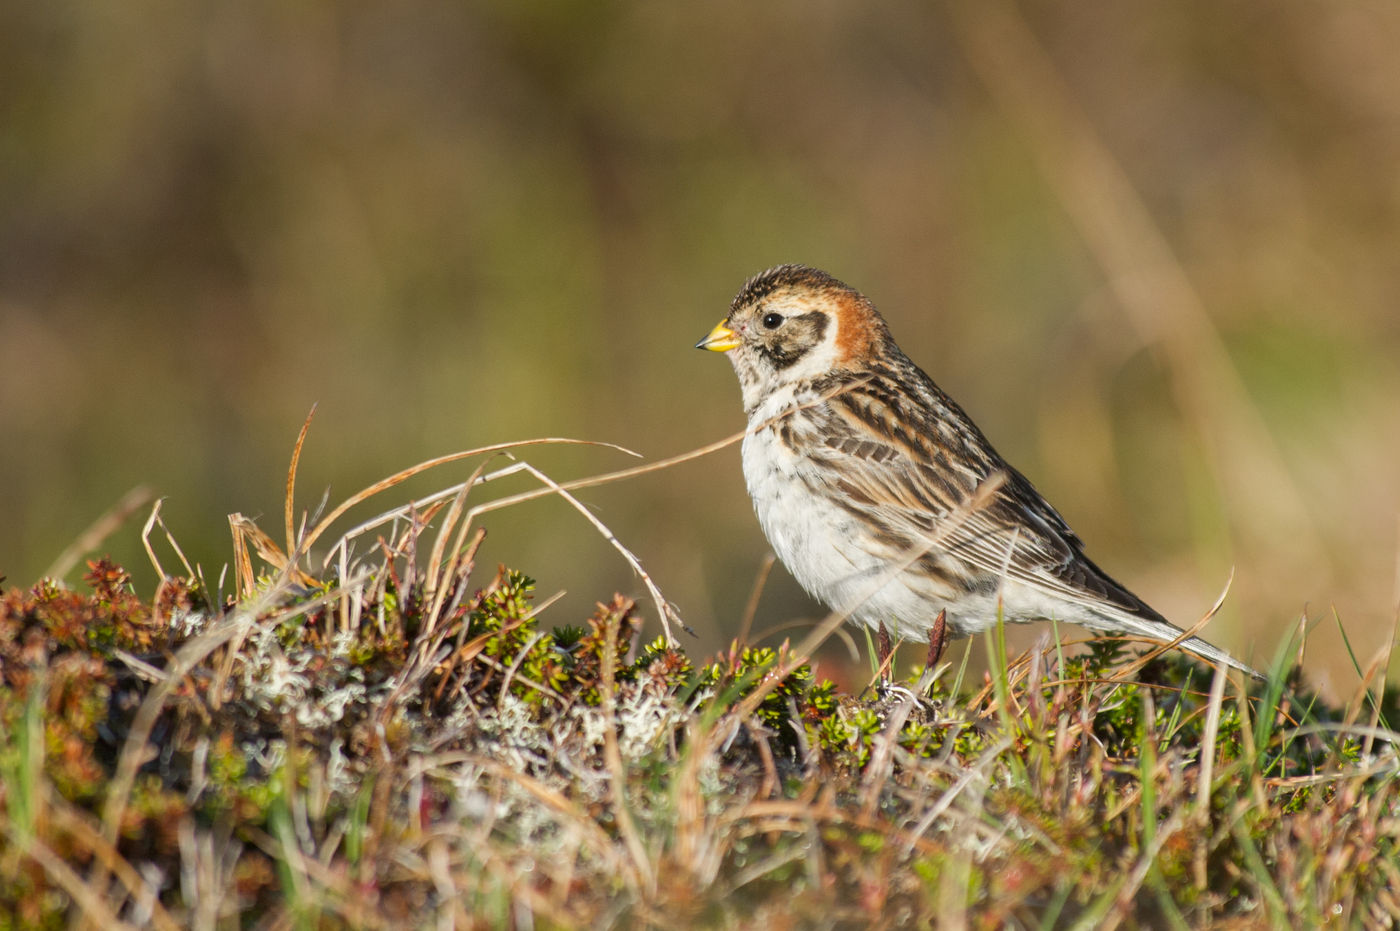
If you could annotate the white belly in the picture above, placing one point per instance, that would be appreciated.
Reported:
(829, 552)
(820, 544)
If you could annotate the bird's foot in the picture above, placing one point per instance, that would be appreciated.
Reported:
(937, 639)
(884, 648)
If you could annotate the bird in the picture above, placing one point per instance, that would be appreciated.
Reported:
(881, 496)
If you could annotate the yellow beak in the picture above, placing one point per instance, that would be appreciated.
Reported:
(721, 339)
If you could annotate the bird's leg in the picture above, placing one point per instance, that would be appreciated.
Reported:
(883, 647)
(937, 639)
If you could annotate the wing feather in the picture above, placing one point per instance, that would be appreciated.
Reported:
(906, 474)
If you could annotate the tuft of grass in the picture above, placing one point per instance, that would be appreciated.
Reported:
(394, 737)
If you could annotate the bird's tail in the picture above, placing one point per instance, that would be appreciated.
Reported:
(1165, 631)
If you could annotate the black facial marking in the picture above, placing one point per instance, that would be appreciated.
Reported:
(799, 336)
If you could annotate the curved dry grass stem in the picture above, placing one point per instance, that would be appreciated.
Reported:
(606, 478)
(245, 531)
(700, 451)
(310, 537)
(424, 507)
(665, 612)
(151, 522)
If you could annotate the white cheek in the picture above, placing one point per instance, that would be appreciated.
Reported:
(818, 361)
(762, 383)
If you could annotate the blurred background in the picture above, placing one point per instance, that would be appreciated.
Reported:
(1153, 249)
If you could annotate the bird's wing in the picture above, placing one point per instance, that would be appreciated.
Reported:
(913, 479)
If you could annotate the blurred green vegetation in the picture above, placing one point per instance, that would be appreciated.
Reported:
(457, 224)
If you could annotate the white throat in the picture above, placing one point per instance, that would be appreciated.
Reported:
(772, 388)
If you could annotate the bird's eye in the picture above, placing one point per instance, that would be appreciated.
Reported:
(771, 321)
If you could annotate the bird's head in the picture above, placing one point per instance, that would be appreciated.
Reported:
(793, 324)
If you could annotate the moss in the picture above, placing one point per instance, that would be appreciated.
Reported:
(454, 722)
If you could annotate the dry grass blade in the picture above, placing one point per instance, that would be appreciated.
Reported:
(139, 666)
(617, 476)
(288, 510)
(151, 522)
(1372, 678)
(244, 580)
(146, 539)
(246, 532)
(436, 569)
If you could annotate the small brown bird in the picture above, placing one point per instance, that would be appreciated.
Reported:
(880, 494)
